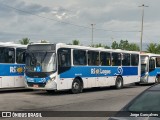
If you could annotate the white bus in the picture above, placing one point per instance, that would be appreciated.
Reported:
(12, 59)
(150, 68)
(70, 67)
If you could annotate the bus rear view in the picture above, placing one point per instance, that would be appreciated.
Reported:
(40, 70)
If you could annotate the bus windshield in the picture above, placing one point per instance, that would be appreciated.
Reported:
(45, 60)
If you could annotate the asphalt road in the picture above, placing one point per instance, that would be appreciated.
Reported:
(102, 99)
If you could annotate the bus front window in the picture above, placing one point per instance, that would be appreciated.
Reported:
(45, 60)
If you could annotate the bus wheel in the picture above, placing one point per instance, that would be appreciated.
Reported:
(76, 86)
(137, 83)
(119, 82)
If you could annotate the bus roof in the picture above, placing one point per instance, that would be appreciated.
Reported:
(10, 44)
(60, 45)
(92, 48)
(150, 54)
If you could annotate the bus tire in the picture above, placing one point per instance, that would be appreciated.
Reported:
(137, 83)
(119, 82)
(77, 86)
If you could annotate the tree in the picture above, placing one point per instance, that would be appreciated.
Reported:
(24, 41)
(115, 45)
(100, 45)
(75, 42)
(158, 49)
(134, 47)
(153, 48)
(125, 45)
(106, 47)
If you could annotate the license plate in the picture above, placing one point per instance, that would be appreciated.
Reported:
(36, 86)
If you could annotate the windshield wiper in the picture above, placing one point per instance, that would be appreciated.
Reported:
(44, 57)
(33, 58)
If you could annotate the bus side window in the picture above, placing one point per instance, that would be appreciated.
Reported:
(79, 57)
(93, 58)
(20, 55)
(9, 55)
(2, 54)
(158, 62)
(105, 59)
(126, 59)
(134, 59)
(116, 59)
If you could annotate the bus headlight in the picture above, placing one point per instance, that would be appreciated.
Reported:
(53, 78)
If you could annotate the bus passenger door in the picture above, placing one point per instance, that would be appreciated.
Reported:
(64, 65)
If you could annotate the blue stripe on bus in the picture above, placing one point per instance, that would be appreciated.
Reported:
(11, 69)
(99, 71)
(154, 72)
(90, 71)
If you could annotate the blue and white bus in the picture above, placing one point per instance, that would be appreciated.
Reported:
(150, 68)
(70, 67)
(12, 60)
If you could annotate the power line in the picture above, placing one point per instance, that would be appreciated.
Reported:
(27, 12)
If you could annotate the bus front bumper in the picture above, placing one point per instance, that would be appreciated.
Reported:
(50, 85)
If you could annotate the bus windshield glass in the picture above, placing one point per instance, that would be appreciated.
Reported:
(45, 60)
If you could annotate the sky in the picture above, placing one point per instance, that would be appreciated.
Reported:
(67, 20)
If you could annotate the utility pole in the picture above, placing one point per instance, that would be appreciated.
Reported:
(92, 34)
(142, 25)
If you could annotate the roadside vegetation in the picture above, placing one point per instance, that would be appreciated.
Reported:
(123, 44)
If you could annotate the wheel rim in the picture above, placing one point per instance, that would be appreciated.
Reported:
(119, 83)
(76, 86)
